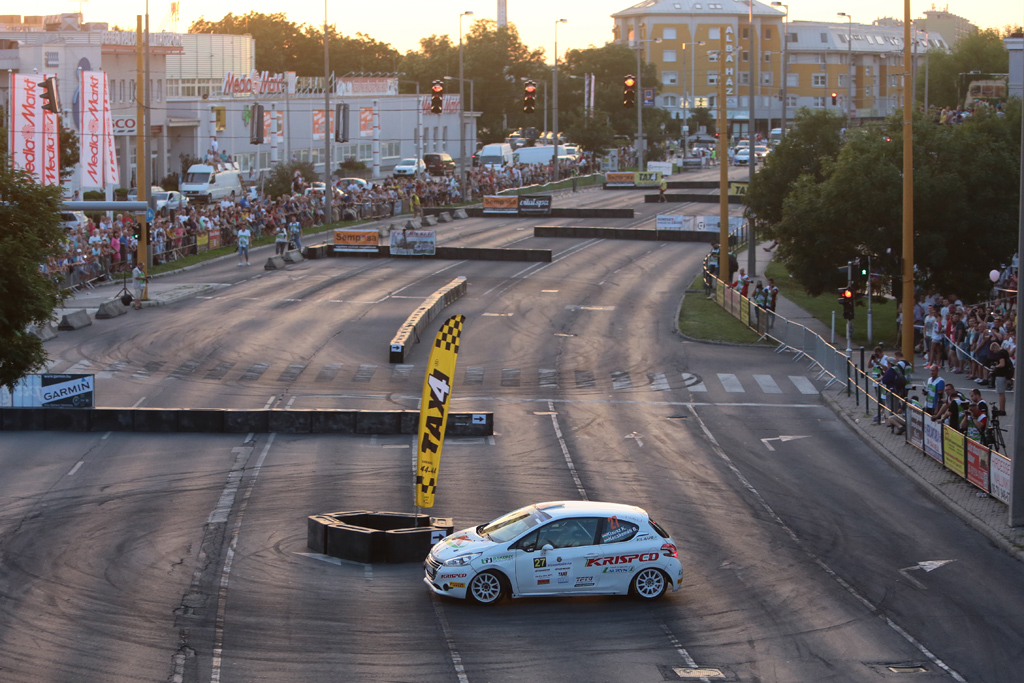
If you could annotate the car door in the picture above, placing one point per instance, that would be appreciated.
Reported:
(618, 555)
(553, 558)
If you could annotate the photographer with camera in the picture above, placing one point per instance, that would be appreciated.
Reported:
(974, 422)
(1001, 368)
(951, 411)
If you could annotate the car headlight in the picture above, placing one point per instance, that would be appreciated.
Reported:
(462, 560)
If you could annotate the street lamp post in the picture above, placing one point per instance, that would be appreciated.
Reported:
(640, 103)
(462, 113)
(785, 65)
(554, 107)
(328, 192)
(849, 67)
(686, 95)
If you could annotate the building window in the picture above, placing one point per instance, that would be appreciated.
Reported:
(159, 89)
(824, 37)
(670, 101)
(670, 77)
(791, 100)
(792, 38)
(767, 32)
(867, 71)
(668, 56)
(712, 78)
(819, 102)
(767, 57)
(767, 77)
(745, 33)
(745, 56)
(715, 33)
(819, 80)
(792, 80)
(869, 92)
(52, 58)
(713, 55)
(744, 78)
(668, 34)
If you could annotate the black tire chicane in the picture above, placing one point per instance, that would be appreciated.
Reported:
(650, 584)
(486, 588)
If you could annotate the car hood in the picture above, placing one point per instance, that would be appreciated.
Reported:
(461, 543)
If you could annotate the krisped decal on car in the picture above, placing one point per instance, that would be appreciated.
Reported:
(453, 576)
(497, 558)
(621, 559)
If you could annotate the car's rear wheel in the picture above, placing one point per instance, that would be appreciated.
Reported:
(486, 588)
(649, 584)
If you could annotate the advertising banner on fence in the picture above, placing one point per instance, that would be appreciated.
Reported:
(915, 427)
(647, 179)
(953, 450)
(413, 242)
(662, 167)
(977, 464)
(1000, 477)
(672, 221)
(356, 240)
(437, 392)
(494, 204)
(933, 439)
(51, 391)
(619, 179)
(535, 205)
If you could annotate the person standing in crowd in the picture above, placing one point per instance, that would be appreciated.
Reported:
(662, 187)
(244, 235)
(934, 390)
(281, 239)
(139, 284)
(1002, 370)
(295, 233)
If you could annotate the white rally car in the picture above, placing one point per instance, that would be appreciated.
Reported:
(558, 548)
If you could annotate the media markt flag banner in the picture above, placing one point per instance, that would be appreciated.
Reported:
(33, 138)
(97, 156)
(437, 392)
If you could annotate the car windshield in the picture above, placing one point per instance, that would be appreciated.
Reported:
(408, 162)
(161, 196)
(490, 159)
(197, 178)
(513, 524)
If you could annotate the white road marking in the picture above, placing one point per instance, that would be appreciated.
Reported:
(804, 385)
(290, 402)
(928, 566)
(780, 439)
(449, 641)
(767, 384)
(867, 604)
(659, 382)
(270, 402)
(636, 437)
(693, 383)
(498, 315)
(565, 451)
(730, 383)
(139, 402)
(75, 468)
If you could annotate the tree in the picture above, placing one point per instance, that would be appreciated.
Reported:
(983, 51)
(279, 181)
(30, 234)
(610, 64)
(812, 140)
(966, 195)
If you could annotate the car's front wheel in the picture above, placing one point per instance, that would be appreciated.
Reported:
(649, 584)
(486, 588)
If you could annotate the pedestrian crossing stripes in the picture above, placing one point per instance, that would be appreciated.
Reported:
(547, 379)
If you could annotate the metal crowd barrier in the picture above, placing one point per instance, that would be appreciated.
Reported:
(980, 463)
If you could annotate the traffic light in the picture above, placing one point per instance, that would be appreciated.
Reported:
(49, 95)
(341, 123)
(629, 92)
(437, 97)
(529, 97)
(834, 99)
(846, 299)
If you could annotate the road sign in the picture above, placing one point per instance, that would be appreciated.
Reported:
(648, 97)
(150, 215)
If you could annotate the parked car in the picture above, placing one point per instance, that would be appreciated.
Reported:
(345, 183)
(409, 167)
(73, 220)
(440, 163)
(134, 192)
(167, 201)
(558, 548)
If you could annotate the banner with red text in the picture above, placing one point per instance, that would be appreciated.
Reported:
(96, 155)
(32, 140)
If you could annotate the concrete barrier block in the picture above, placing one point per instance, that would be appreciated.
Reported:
(245, 421)
(68, 419)
(408, 545)
(113, 419)
(45, 332)
(430, 220)
(316, 532)
(110, 309)
(74, 321)
(379, 422)
(355, 543)
(155, 420)
(410, 422)
(332, 421)
(413, 225)
(460, 214)
(23, 419)
(289, 421)
(445, 217)
(396, 352)
(445, 524)
(274, 263)
(292, 256)
(201, 421)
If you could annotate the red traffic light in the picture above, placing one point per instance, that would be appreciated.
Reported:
(531, 89)
(847, 294)
(438, 88)
(630, 82)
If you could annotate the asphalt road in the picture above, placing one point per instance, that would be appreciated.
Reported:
(134, 557)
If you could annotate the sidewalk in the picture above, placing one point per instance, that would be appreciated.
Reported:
(982, 512)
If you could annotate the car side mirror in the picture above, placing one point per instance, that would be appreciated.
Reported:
(548, 546)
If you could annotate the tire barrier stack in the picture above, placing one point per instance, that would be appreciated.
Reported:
(373, 537)
(173, 420)
(430, 309)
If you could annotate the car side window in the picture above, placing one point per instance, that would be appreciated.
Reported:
(527, 542)
(615, 530)
(569, 533)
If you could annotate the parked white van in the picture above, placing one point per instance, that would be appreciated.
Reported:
(496, 155)
(543, 154)
(204, 183)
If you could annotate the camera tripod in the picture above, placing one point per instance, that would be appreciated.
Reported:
(994, 436)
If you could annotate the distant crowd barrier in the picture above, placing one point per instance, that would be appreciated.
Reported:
(429, 310)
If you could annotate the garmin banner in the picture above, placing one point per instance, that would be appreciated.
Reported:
(51, 391)
(535, 205)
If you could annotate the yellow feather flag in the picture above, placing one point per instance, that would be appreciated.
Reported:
(437, 392)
